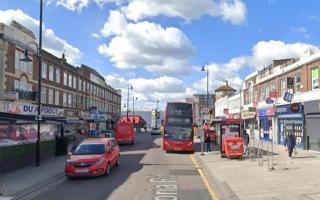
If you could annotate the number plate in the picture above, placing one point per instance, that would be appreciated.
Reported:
(82, 171)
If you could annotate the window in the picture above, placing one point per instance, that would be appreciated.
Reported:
(51, 73)
(283, 86)
(262, 93)
(75, 82)
(44, 70)
(56, 97)
(65, 78)
(24, 84)
(50, 96)
(29, 87)
(57, 76)
(298, 87)
(74, 101)
(22, 66)
(88, 87)
(16, 85)
(43, 95)
(80, 85)
(273, 86)
(65, 99)
(315, 78)
(267, 90)
(70, 80)
(69, 100)
(84, 86)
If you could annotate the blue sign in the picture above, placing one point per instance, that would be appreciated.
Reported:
(285, 109)
(288, 97)
(269, 101)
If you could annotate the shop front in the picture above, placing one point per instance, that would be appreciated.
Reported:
(249, 120)
(265, 122)
(72, 122)
(290, 120)
(312, 117)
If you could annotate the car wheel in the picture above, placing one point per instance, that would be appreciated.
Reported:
(107, 173)
(118, 161)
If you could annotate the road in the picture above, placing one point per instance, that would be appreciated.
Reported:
(145, 172)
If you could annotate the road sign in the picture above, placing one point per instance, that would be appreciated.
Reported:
(288, 96)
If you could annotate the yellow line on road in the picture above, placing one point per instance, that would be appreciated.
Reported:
(204, 179)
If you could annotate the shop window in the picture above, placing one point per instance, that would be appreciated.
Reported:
(315, 78)
(298, 87)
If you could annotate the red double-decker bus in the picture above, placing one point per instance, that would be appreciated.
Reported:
(178, 127)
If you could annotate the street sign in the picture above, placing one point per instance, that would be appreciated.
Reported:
(269, 101)
(205, 110)
(288, 96)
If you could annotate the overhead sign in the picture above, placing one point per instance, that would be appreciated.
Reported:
(30, 109)
(288, 96)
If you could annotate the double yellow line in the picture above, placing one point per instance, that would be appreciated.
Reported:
(212, 193)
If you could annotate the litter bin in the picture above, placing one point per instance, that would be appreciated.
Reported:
(233, 147)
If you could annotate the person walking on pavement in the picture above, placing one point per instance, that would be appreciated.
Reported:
(290, 144)
(77, 139)
(246, 140)
(207, 141)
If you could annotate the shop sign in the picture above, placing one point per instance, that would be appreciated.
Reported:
(288, 96)
(252, 109)
(84, 115)
(266, 112)
(295, 107)
(30, 109)
(269, 101)
(71, 113)
(286, 109)
(233, 116)
(247, 114)
(12, 96)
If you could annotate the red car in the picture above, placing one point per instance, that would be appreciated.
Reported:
(93, 157)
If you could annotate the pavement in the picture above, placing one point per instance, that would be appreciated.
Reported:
(253, 179)
(145, 172)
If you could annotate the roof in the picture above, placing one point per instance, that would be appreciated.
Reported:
(95, 141)
(225, 88)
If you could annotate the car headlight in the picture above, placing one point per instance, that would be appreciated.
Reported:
(100, 161)
(68, 162)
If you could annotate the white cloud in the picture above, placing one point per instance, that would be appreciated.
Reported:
(230, 10)
(51, 42)
(301, 30)
(163, 88)
(96, 36)
(262, 55)
(146, 45)
(78, 5)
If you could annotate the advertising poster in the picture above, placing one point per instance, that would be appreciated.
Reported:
(16, 134)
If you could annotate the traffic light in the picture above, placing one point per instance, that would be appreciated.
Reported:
(158, 115)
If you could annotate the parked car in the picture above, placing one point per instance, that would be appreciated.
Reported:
(155, 131)
(93, 157)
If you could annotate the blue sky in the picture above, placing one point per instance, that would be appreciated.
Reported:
(159, 46)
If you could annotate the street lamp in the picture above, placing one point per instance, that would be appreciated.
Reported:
(203, 69)
(129, 87)
(27, 59)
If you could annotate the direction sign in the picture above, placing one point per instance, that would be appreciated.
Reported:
(288, 96)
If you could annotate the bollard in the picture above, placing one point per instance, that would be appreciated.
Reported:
(260, 153)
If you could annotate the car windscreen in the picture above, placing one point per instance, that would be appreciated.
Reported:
(178, 133)
(89, 149)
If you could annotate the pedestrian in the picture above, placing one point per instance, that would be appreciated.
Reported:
(207, 141)
(290, 144)
(246, 140)
(77, 139)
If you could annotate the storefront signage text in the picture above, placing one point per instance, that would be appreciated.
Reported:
(33, 109)
(286, 109)
(266, 112)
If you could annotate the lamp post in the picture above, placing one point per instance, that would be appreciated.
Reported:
(129, 87)
(27, 59)
(203, 69)
(157, 114)
(133, 104)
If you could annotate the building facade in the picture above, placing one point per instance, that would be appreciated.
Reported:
(75, 97)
